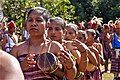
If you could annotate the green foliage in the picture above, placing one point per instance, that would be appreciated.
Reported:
(86, 9)
(70, 10)
(108, 9)
(61, 8)
(16, 9)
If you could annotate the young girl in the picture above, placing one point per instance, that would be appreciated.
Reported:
(56, 32)
(92, 61)
(104, 39)
(98, 51)
(71, 31)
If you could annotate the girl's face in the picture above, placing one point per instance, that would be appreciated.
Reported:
(90, 37)
(81, 38)
(11, 29)
(35, 23)
(55, 31)
(106, 30)
(70, 34)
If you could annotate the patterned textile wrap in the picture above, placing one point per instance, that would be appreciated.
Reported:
(35, 72)
(96, 74)
(87, 76)
(47, 62)
(115, 64)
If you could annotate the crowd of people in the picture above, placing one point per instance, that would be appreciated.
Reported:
(53, 49)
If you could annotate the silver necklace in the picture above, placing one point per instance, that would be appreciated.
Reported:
(34, 48)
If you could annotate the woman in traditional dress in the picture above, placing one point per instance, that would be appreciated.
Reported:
(57, 31)
(28, 52)
(115, 40)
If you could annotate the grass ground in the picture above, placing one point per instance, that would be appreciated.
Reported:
(107, 76)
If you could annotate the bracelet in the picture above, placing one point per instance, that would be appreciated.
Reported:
(83, 51)
(79, 75)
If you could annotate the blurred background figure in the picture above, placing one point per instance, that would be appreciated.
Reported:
(10, 38)
(104, 40)
(115, 60)
(25, 35)
(71, 31)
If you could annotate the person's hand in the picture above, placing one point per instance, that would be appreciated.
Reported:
(28, 62)
(66, 59)
(79, 45)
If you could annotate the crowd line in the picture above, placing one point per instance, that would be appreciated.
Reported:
(53, 49)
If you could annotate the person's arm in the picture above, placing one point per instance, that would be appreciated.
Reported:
(110, 40)
(28, 62)
(82, 48)
(4, 41)
(92, 57)
(99, 47)
(66, 60)
(70, 69)
(96, 52)
(111, 37)
(10, 68)
(83, 62)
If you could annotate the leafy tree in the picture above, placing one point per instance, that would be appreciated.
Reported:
(84, 10)
(70, 10)
(61, 8)
(16, 10)
(108, 9)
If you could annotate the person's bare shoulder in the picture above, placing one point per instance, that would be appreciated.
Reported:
(20, 44)
(18, 48)
(9, 67)
(55, 43)
(56, 47)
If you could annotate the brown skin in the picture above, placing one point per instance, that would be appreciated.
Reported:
(35, 25)
(91, 55)
(77, 45)
(9, 67)
(56, 33)
(95, 47)
(70, 34)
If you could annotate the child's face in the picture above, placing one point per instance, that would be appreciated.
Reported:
(70, 34)
(55, 31)
(106, 30)
(90, 37)
(81, 38)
